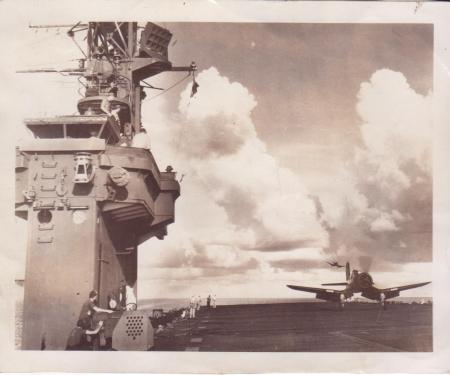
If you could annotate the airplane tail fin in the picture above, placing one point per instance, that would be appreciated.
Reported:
(347, 271)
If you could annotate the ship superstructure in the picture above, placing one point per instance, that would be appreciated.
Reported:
(90, 192)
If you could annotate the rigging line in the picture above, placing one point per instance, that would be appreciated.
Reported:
(148, 85)
(125, 45)
(73, 27)
(75, 31)
(119, 47)
(169, 88)
(182, 132)
(81, 83)
(73, 39)
(115, 31)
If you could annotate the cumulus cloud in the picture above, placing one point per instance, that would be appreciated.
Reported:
(383, 205)
(383, 223)
(236, 201)
(242, 216)
(396, 119)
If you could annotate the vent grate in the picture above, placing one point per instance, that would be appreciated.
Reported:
(135, 326)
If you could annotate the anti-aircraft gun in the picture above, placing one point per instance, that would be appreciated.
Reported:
(91, 194)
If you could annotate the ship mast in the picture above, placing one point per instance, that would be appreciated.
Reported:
(114, 57)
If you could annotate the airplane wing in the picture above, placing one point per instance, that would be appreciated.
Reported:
(395, 291)
(311, 290)
(321, 293)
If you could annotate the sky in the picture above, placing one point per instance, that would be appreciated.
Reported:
(305, 143)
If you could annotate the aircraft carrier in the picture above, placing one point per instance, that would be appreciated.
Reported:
(302, 327)
(91, 194)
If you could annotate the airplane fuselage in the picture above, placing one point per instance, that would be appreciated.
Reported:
(359, 282)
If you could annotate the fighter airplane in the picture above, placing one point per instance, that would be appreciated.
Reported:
(335, 264)
(356, 282)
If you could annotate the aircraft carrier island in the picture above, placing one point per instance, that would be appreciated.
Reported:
(92, 192)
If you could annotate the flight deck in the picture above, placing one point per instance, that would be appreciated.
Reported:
(302, 327)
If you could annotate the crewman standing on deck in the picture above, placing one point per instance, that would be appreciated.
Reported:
(92, 317)
(106, 106)
(192, 308)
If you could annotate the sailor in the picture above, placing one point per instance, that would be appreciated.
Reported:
(131, 299)
(208, 301)
(127, 138)
(89, 111)
(141, 139)
(116, 55)
(106, 107)
(122, 293)
(192, 307)
(93, 133)
(127, 298)
(199, 302)
(91, 316)
(214, 301)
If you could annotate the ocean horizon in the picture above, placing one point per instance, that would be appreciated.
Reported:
(179, 303)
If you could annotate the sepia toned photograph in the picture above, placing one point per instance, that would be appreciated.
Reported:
(221, 187)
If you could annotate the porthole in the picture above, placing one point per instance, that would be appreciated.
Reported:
(44, 216)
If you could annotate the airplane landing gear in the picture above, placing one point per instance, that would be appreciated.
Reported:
(341, 302)
(383, 301)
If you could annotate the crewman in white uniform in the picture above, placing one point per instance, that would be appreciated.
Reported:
(141, 139)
